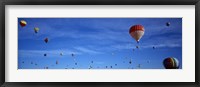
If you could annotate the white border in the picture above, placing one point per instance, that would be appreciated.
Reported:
(187, 74)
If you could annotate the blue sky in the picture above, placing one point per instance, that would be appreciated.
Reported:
(105, 41)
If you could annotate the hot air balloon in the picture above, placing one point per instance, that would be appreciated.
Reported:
(31, 62)
(115, 64)
(153, 47)
(61, 54)
(137, 31)
(171, 63)
(46, 40)
(75, 63)
(139, 65)
(23, 23)
(56, 62)
(168, 24)
(110, 66)
(72, 54)
(130, 62)
(36, 29)
(45, 54)
(23, 62)
(91, 61)
(137, 47)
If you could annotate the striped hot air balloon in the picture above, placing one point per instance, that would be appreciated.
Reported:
(137, 31)
(171, 63)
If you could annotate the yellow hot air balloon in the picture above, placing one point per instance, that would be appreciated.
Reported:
(36, 29)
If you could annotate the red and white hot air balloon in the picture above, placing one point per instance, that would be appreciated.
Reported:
(137, 31)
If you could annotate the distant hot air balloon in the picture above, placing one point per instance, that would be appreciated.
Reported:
(139, 65)
(56, 62)
(46, 40)
(36, 29)
(137, 31)
(171, 63)
(115, 64)
(168, 24)
(75, 63)
(45, 54)
(23, 62)
(154, 47)
(31, 62)
(61, 54)
(91, 61)
(72, 54)
(137, 47)
(110, 66)
(23, 23)
(130, 62)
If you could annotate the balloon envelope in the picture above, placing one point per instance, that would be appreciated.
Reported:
(137, 31)
(23, 23)
(36, 29)
(46, 40)
(168, 24)
(171, 63)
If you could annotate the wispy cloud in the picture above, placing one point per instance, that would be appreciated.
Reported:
(86, 50)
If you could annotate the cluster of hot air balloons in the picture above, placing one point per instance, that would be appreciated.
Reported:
(23, 23)
(137, 32)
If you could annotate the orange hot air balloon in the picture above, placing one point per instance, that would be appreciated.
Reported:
(137, 31)
(23, 23)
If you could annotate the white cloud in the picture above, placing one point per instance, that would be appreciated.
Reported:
(86, 50)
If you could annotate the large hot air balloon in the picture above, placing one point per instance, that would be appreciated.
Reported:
(171, 63)
(36, 29)
(46, 40)
(168, 24)
(137, 31)
(23, 23)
